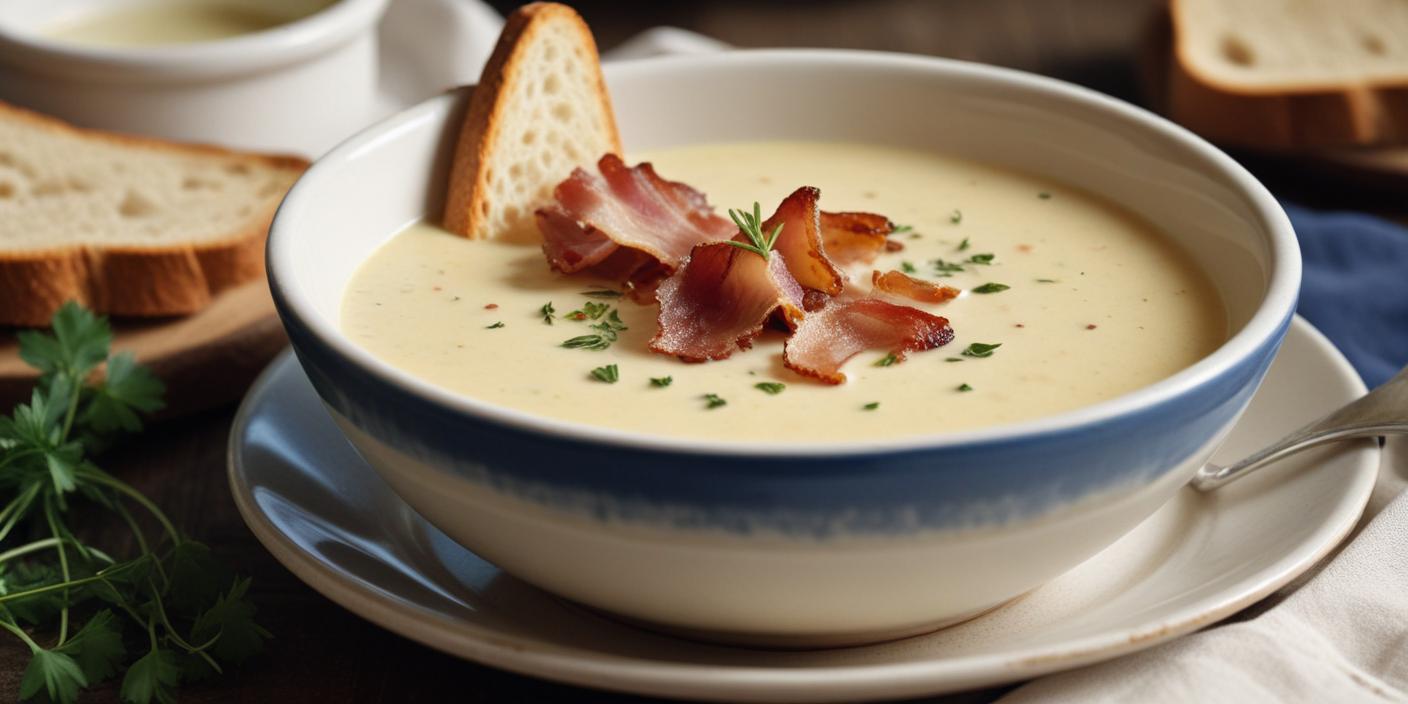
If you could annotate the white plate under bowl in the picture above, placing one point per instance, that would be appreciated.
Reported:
(330, 519)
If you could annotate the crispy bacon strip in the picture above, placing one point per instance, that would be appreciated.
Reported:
(852, 238)
(719, 301)
(631, 207)
(901, 284)
(843, 329)
(800, 242)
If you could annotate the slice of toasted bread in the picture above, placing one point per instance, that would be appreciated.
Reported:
(126, 225)
(540, 109)
(1283, 74)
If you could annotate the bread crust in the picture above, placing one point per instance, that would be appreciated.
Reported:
(465, 208)
(132, 280)
(1307, 116)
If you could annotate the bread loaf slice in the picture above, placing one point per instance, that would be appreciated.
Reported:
(126, 225)
(540, 109)
(1291, 74)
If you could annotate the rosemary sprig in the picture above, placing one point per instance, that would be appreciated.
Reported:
(751, 225)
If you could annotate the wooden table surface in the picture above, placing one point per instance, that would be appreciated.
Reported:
(324, 654)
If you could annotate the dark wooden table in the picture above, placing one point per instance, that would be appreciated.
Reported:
(324, 654)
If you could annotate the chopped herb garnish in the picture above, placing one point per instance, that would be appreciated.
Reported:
(1046, 281)
(495, 326)
(915, 236)
(887, 360)
(953, 359)
(609, 374)
(901, 229)
(946, 268)
(981, 258)
(964, 387)
(1044, 195)
(602, 293)
(907, 267)
(871, 406)
(712, 401)
(607, 332)
(979, 349)
(751, 225)
(956, 217)
(591, 310)
(991, 287)
(963, 245)
(661, 381)
(770, 387)
(547, 310)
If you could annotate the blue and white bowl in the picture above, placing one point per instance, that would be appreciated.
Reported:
(790, 543)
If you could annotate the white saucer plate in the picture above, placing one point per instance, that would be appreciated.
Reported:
(330, 519)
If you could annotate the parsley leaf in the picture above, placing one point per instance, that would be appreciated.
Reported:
(79, 343)
(907, 267)
(956, 217)
(771, 388)
(661, 381)
(990, 288)
(979, 349)
(547, 312)
(945, 268)
(127, 389)
(981, 258)
(886, 361)
(152, 678)
(871, 406)
(712, 401)
(56, 674)
(97, 647)
(495, 326)
(230, 622)
(964, 387)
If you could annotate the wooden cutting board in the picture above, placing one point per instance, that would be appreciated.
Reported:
(206, 360)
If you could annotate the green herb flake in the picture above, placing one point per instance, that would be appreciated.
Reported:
(602, 293)
(907, 267)
(980, 349)
(900, 229)
(886, 361)
(547, 312)
(495, 326)
(871, 406)
(956, 217)
(981, 258)
(609, 374)
(946, 268)
(661, 382)
(771, 388)
(953, 359)
(751, 225)
(1044, 195)
(991, 287)
(964, 387)
(712, 401)
(608, 331)
(964, 245)
(1046, 281)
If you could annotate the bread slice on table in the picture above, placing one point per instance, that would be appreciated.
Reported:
(540, 109)
(1291, 74)
(126, 225)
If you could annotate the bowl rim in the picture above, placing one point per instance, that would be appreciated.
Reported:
(1265, 326)
(290, 42)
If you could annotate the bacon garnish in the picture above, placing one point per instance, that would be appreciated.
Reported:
(719, 301)
(625, 207)
(901, 284)
(827, 338)
(800, 242)
(851, 238)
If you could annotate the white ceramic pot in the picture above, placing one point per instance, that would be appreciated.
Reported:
(295, 88)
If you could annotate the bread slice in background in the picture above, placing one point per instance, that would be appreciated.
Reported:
(126, 225)
(540, 110)
(1290, 74)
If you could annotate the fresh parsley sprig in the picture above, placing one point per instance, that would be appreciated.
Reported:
(751, 225)
(169, 613)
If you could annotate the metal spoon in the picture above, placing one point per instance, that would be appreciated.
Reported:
(1383, 411)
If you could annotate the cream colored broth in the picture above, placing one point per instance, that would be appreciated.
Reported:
(174, 22)
(420, 303)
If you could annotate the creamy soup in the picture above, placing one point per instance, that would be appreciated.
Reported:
(1098, 304)
(180, 21)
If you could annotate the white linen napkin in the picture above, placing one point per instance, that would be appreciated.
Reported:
(1337, 634)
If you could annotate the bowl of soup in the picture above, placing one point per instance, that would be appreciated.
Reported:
(288, 75)
(1126, 286)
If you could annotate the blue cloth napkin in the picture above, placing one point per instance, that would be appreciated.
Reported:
(1355, 288)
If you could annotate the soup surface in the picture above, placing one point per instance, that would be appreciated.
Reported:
(180, 21)
(1098, 304)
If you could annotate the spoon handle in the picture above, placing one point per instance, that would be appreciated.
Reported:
(1383, 411)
